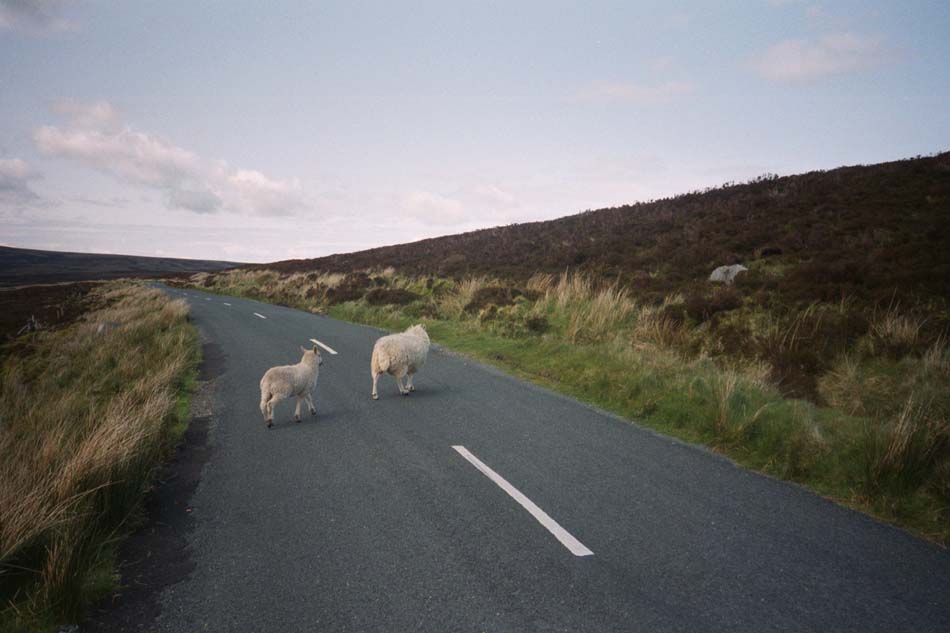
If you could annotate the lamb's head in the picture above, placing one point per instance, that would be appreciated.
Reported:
(418, 330)
(311, 356)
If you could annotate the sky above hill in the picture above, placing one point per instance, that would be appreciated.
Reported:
(266, 131)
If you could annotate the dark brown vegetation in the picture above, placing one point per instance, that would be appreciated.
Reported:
(20, 266)
(48, 307)
(877, 232)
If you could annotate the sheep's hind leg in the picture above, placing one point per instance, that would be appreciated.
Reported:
(403, 390)
(375, 379)
(313, 409)
(409, 382)
(297, 412)
(269, 413)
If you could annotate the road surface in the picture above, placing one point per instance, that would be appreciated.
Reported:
(483, 503)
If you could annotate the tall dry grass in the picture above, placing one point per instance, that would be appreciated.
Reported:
(591, 313)
(453, 304)
(84, 418)
(893, 332)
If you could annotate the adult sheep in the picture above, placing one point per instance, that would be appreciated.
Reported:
(297, 381)
(400, 355)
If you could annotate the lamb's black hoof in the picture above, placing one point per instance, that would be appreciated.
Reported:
(297, 420)
(269, 424)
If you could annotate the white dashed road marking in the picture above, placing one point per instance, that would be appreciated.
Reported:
(326, 347)
(576, 547)
(260, 315)
(226, 303)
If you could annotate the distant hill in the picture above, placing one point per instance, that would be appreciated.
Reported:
(21, 266)
(868, 232)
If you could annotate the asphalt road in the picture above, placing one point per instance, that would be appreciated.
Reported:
(365, 518)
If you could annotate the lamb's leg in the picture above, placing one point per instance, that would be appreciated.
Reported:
(313, 409)
(398, 377)
(297, 412)
(409, 382)
(269, 413)
(375, 379)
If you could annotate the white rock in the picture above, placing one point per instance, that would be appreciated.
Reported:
(727, 274)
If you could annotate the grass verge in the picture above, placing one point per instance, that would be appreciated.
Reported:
(87, 412)
(875, 436)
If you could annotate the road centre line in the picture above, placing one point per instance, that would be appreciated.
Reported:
(226, 303)
(260, 315)
(326, 347)
(567, 540)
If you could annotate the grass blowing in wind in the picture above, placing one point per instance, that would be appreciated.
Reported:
(86, 414)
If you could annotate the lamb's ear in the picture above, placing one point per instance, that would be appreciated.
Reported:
(315, 350)
(302, 349)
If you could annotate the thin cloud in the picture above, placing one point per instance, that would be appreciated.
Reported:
(33, 15)
(832, 54)
(632, 92)
(15, 178)
(495, 195)
(433, 209)
(96, 136)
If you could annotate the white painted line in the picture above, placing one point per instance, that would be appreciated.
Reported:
(260, 315)
(326, 347)
(207, 299)
(576, 547)
(226, 303)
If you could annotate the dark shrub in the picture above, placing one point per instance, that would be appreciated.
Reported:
(701, 307)
(357, 280)
(537, 324)
(675, 313)
(497, 295)
(342, 294)
(390, 296)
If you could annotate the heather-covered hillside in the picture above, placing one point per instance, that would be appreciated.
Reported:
(875, 232)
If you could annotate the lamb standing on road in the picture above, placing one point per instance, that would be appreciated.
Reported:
(399, 355)
(288, 381)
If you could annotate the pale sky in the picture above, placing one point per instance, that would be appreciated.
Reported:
(267, 131)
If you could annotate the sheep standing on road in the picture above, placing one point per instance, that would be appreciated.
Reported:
(288, 381)
(400, 355)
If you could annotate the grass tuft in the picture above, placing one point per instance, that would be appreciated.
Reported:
(85, 417)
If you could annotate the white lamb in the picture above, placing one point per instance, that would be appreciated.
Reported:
(400, 355)
(297, 381)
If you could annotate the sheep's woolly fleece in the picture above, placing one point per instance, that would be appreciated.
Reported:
(291, 381)
(399, 355)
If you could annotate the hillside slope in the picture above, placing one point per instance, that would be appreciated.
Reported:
(22, 266)
(865, 231)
